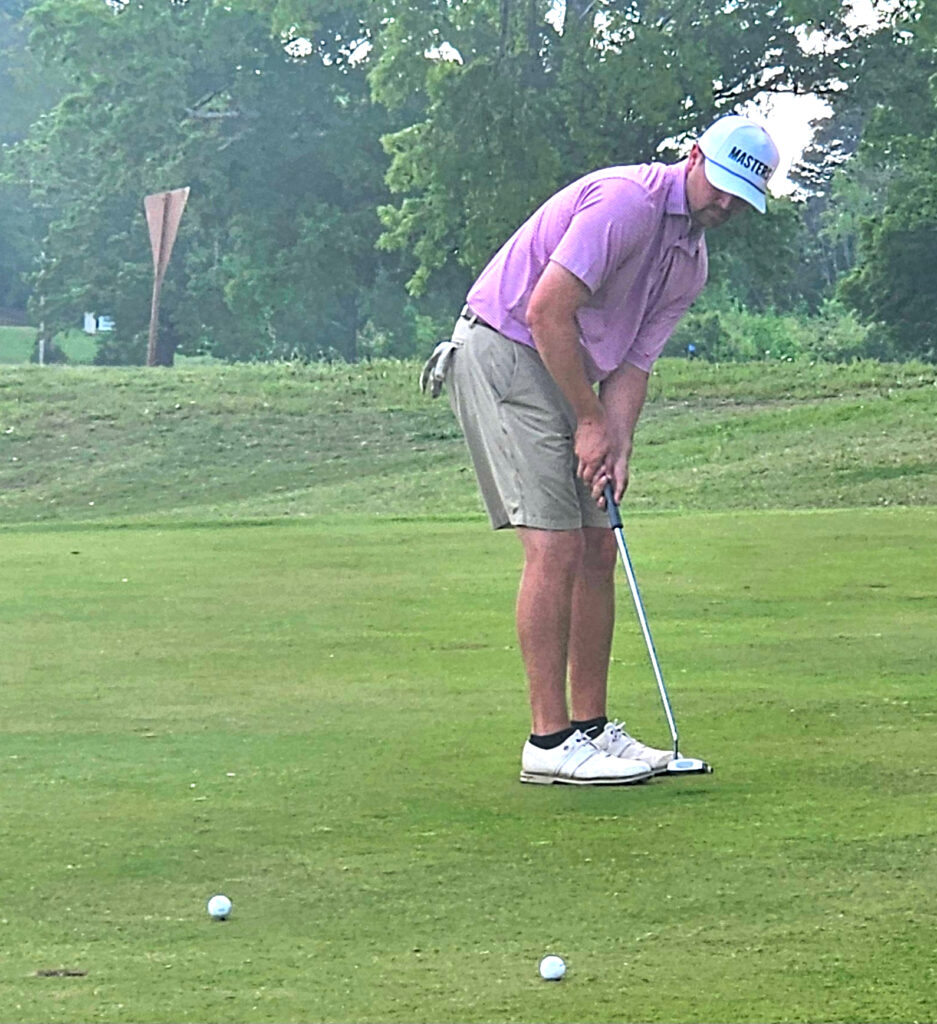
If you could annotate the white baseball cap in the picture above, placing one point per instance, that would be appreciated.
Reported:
(740, 158)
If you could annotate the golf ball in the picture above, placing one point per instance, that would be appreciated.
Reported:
(219, 907)
(552, 968)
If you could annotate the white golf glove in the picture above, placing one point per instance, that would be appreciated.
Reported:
(436, 367)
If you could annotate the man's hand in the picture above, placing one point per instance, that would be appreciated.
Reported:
(593, 449)
(618, 478)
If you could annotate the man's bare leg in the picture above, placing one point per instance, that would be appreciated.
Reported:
(552, 561)
(591, 625)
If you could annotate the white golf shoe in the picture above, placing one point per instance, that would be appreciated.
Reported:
(579, 762)
(615, 741)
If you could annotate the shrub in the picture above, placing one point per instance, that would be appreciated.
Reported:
(735, 334)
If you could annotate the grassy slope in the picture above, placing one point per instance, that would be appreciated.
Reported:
(216, 442)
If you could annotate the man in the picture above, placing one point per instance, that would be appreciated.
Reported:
(585, 293)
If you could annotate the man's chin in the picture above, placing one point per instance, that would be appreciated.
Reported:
(714, 218)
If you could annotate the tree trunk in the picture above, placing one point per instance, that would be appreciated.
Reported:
(165, 350)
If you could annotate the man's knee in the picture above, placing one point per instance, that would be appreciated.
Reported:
(555, 550)
(599, 552)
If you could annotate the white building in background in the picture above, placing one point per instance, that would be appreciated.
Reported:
(94, 323)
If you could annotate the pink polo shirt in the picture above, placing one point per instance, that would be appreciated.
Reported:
(626, 233)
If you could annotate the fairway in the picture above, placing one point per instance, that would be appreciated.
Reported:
(322, 719)
(17, 345)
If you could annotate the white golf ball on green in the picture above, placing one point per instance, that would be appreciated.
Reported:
(219, 907)
(552, 968)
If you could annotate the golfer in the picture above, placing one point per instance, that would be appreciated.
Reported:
(547, 374)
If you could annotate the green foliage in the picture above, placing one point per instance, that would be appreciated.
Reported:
(26, 90)
(732, 333)
(894, 174)
(857, 193)
(766, 262)
(19, 231)
(275, 254)
(898, 249)
(430, 158)
(604, 87)
(284, 118)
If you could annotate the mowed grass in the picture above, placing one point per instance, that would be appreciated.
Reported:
(322, 719)
(17, 345)
(257, 638)
(225, 443)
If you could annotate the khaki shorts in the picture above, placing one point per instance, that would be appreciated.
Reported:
(519, 429)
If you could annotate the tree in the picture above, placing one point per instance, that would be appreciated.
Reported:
(284, 116)
(893, 184)
(510, 100)
(769, 262)
(892, 283)
(24, 93)
(123, 129)
(280, 147)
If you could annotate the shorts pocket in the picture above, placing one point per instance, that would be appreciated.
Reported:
(502, 357)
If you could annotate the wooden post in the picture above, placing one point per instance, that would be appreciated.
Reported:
(163, 213)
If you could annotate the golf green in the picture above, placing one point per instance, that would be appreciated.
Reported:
(323, 721)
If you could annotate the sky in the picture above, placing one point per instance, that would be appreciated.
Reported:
(790, 119)
(790, 122)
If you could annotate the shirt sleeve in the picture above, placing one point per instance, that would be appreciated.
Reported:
(661, 322)
(613, 221)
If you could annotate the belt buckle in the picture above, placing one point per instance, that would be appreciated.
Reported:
(469, 315)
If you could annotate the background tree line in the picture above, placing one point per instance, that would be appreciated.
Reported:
(354, 164)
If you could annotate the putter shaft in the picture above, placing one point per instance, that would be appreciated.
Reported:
(614, 518)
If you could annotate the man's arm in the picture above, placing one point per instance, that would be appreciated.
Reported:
(622, 394)
(551, 317)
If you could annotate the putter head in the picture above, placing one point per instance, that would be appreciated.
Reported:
(688, 766)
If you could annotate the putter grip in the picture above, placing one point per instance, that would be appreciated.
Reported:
(611, 507)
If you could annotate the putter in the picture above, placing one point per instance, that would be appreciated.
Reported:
(679, 765)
